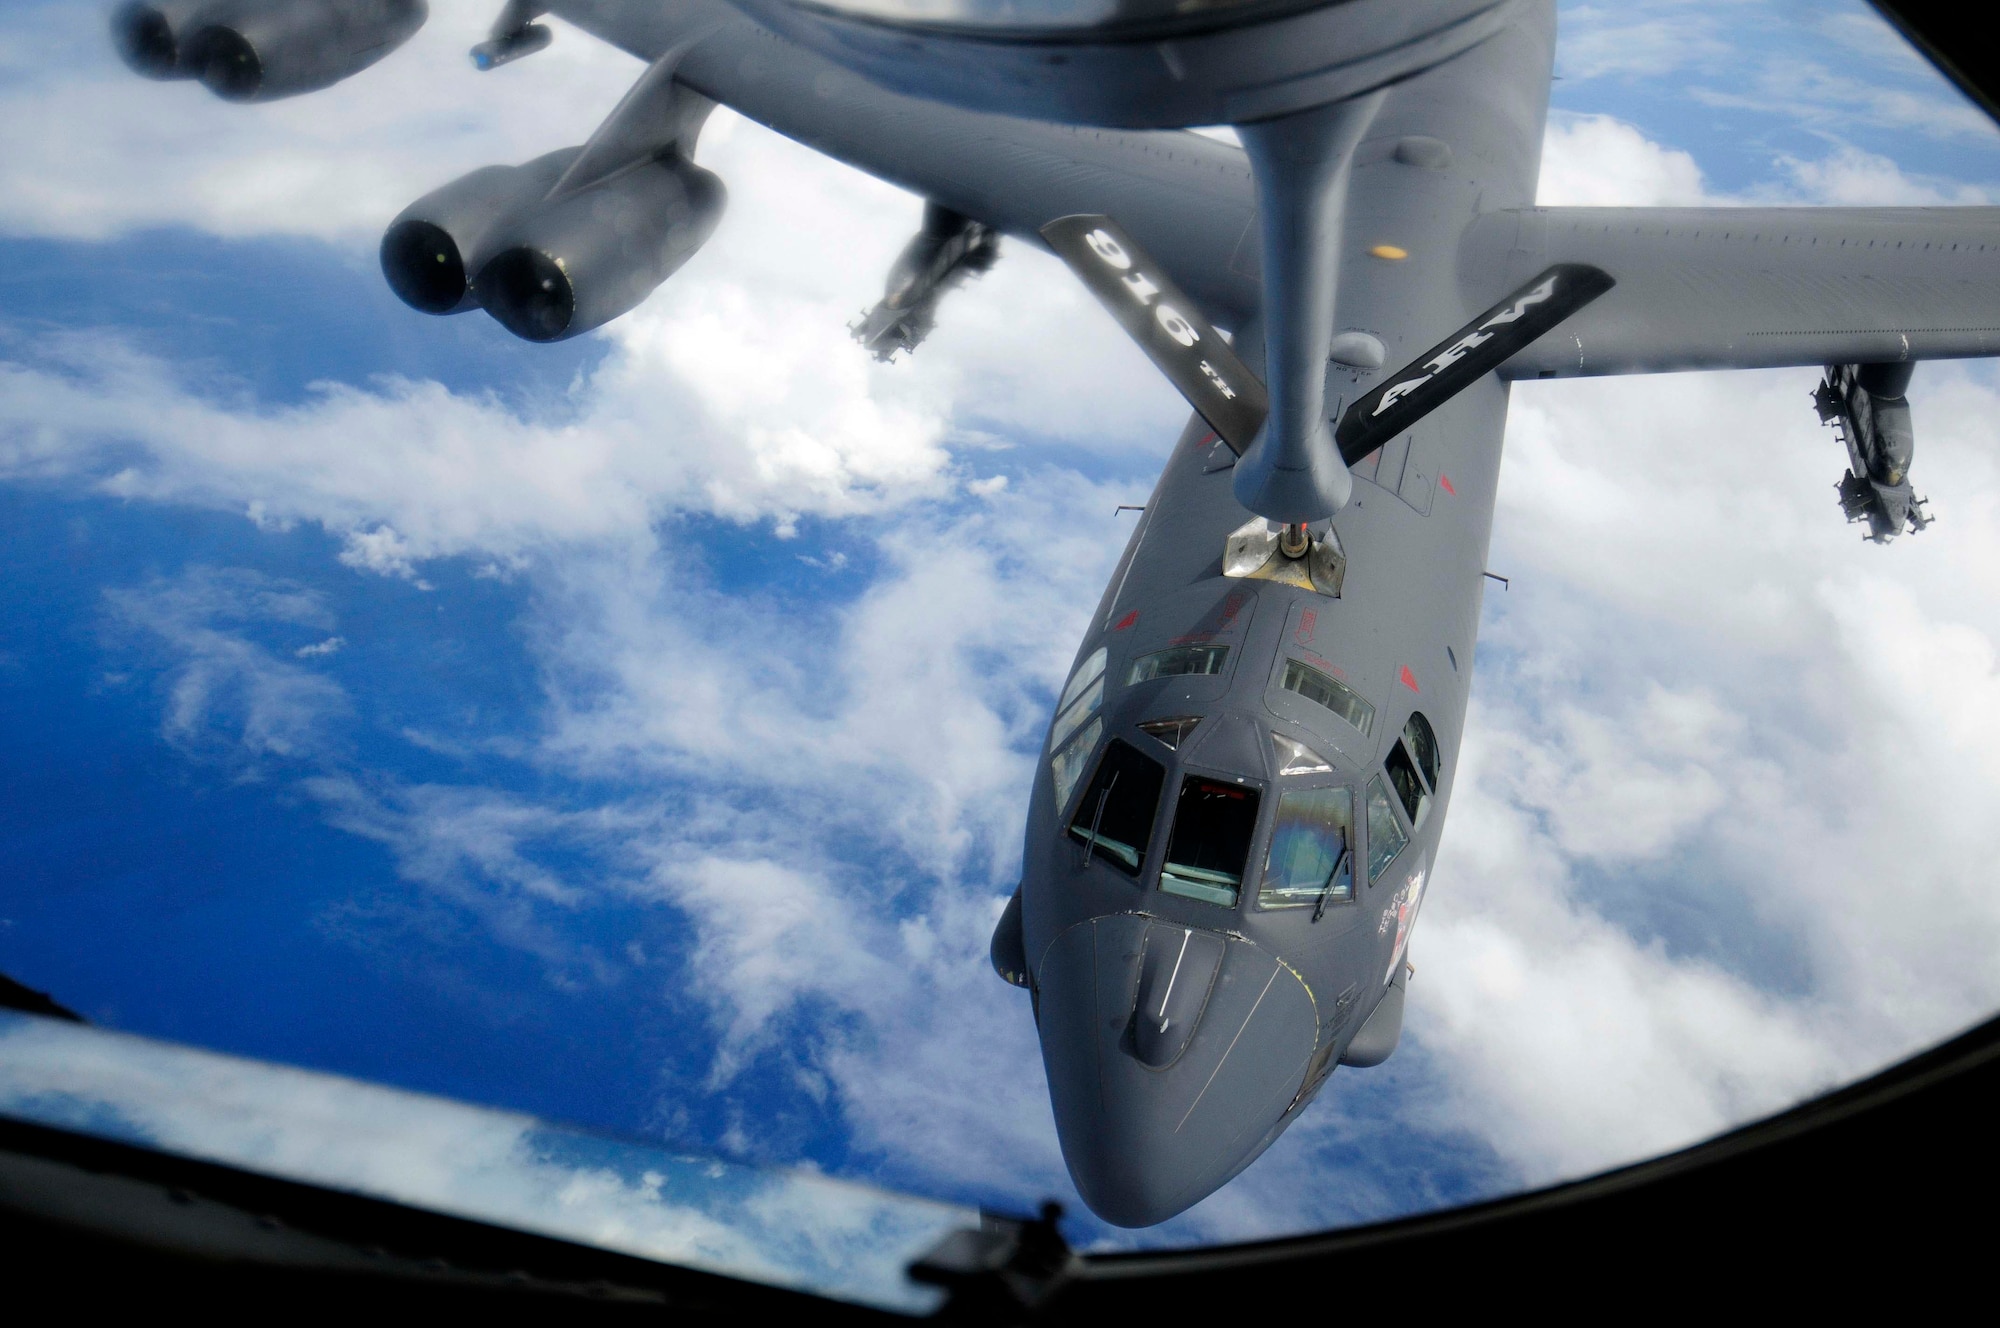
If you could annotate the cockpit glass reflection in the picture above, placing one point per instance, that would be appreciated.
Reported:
(1310, 859)
(1114, 818)
(1295, 758)
(1210, 844)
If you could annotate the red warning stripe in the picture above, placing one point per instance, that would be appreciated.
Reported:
(1444, 482)
(1409, 680)
(1126, 621)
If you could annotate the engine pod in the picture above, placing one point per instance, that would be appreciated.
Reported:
(434, 244)
(261, 50)
(149, 36)
(578, 262)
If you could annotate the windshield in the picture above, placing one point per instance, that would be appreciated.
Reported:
(1310, 861)
(1213, 824)
(1114, 817)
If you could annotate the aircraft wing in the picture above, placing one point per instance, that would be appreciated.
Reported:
(1186, 198)
(1752, 288)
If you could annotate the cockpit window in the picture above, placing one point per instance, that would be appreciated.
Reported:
(1114, 817)
(1386, 835)
(1172, 732)
(1310, 860)
(1295, 758)
(1331, 693)
(1068, 762)
(1424, 746)
(1210, 844)
(1086, 673)
(1178, 661)
(1068, 721)
(1410, 790)
(1080, 701)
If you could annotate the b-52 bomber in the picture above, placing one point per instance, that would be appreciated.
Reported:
(1233, 826)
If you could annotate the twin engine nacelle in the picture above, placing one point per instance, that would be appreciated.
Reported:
(261, 50)
(550, 263)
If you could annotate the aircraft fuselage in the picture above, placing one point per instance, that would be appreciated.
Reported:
(1171, 874)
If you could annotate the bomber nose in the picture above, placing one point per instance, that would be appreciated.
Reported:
(1172, 1052)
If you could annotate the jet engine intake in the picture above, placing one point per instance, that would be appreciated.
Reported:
(261, 50)
(577, 261)
(435, 245)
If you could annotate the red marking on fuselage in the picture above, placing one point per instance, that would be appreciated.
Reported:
(1308, 623)
(1444, 482)
(1324, 665)
(1409, 680)
(1206, 439)
(1126, 621)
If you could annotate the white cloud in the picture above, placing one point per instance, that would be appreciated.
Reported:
(1628, 43)
(218, 677)
(1849, 177)
(1598, 161)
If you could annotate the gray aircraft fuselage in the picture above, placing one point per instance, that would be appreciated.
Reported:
(1291, 989)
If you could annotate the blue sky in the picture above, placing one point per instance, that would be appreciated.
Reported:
(636, 731)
